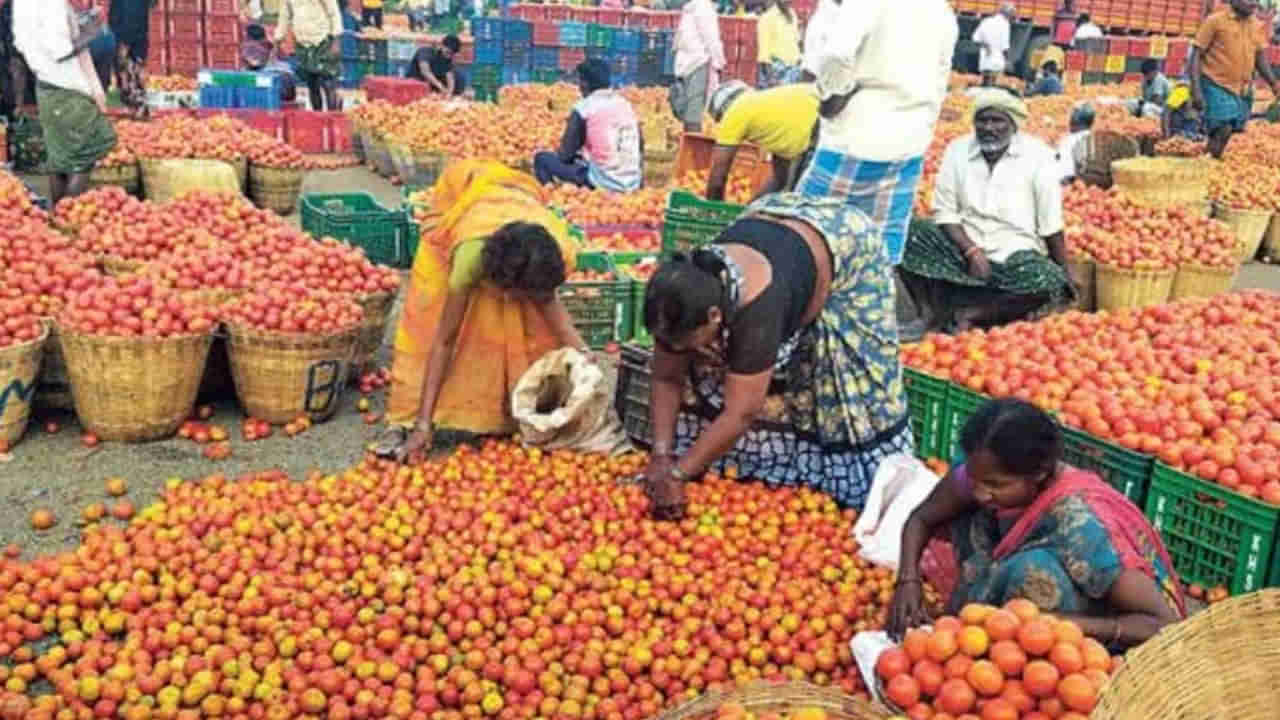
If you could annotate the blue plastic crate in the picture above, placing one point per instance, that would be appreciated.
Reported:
(573, 34)
(518, 57)
(400, 68)
(626, 41)
(517, 33)
(217, 97)
(597, 53)
(655, 41)
(350, 48)
(669, 62)
(621, 80)
(488, 52)
(546, 58)
(259, 98)
(483, 28)
(621, 63)
(352, 74)
(516, 75)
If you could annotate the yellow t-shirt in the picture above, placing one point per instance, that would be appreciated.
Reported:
(776, 37)
(1178, 97)
(467, 265)
(780, 120)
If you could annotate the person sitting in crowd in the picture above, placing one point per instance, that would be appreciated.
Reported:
(71, 101)
(778, 44)
(1086, 29)
(1180, 116)
(1022, 524)
(782, 121)
(480, 308)
(1228, 49)
(992, 38)
(371, 13)
(601, 146)
(785, 327)
(1154, 92)
(996, 252)
(1072, 148)
(434, 66)
(259, 54)
(317, 33)
(1049, 82)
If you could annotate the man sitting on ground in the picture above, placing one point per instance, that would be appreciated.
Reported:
(997, 252)
(601, 146)
(1049, 82)
(781, 120)
(434, 66)
(1155, 91)
(1072, 148)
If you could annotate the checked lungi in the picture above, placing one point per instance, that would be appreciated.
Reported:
(884, 191)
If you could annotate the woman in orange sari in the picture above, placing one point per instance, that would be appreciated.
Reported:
(481, 306)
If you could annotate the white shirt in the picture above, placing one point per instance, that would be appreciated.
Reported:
(897, 54)
(1086, 31)
(818, 33)
(992, 34)
(1068, 147)
(1008, 208)
(42, 33)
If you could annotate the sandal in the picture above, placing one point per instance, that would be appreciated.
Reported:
(391, 443)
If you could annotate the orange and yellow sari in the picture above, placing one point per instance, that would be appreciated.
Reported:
(500, 337)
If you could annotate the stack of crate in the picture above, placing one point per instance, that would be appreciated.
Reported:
(1119, 59)
(199, 34)
(1175, 17)
(738, 35)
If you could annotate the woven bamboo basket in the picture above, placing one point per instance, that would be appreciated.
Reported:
(134, 389)
(241, 166)
(19, 368)
(281, 376)
(1222, 662)
(1202, 281)
(764, 697)
(1084, 270)
(159, 186)
(369, 142)
(1123, 287)
(1102, 148)
(658, 174)
(428, 166)
(128, 177)
(275, 189)
(380, 156)
(53, 384)
(357, 139)
(1163, 182)
(373, 328)
(1271, 241)
(115, 266)
(1250, 227)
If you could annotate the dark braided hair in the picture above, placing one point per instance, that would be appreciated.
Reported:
(681, 293)
(523, 256)
(1025, 439)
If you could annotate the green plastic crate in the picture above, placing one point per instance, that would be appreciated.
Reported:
(546, 76)
(690, 221)
(631, 396)
(359, 220)
(1215, 536)
(1123, 469)
(961, 404)
(599, 36)
(485, 94)
(639, 333)
(600, 310)
(927, 405)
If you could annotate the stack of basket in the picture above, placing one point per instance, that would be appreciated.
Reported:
(128, 177)
(19, 368)
(1083, 271)
(1120, 287)
(1203, 281)
(274, 188)
(1250, 227)
(1164, 182)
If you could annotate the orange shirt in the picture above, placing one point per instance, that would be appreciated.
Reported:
(1228, 46)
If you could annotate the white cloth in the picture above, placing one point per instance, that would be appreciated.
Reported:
(1008, 208)
(818, 33)
(1086, 31)
(1068, 148)
(897, 55)
(697, 40)
(992, 35)
(253, 10)
(312, 21)
(42, 33)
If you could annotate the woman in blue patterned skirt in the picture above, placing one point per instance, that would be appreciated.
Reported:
(776, 353)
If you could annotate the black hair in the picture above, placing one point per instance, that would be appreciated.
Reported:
(1150, 65)
(594, 74)
(523, 256)
(681, 293)
(1025, 439)
(452, 42)
(1050, 66)
(256, 33)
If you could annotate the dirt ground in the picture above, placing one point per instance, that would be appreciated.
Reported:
(55, 471)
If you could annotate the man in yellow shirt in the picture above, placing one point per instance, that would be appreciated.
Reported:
(781, 121)
(778, 44)
(371, 13)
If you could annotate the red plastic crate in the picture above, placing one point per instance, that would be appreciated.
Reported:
(186, 55)
(223, 56)
(586, 15)
(570, 58)
(222, 8)
(611, 17)
(1140, 47)
(188, 7)
(186, 29)
(222, 30)
(532, 13)
(156, 19)
(546, 34)
(270, 122)
(728, 32)
(395, 90)
(340, 138)
(558, 13)
(307, 130)
(157, 31)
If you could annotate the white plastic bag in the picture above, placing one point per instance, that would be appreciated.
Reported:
(563, 401)
(901, 483)
(866, 647)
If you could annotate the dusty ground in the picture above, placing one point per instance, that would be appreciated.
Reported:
(54, 471)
